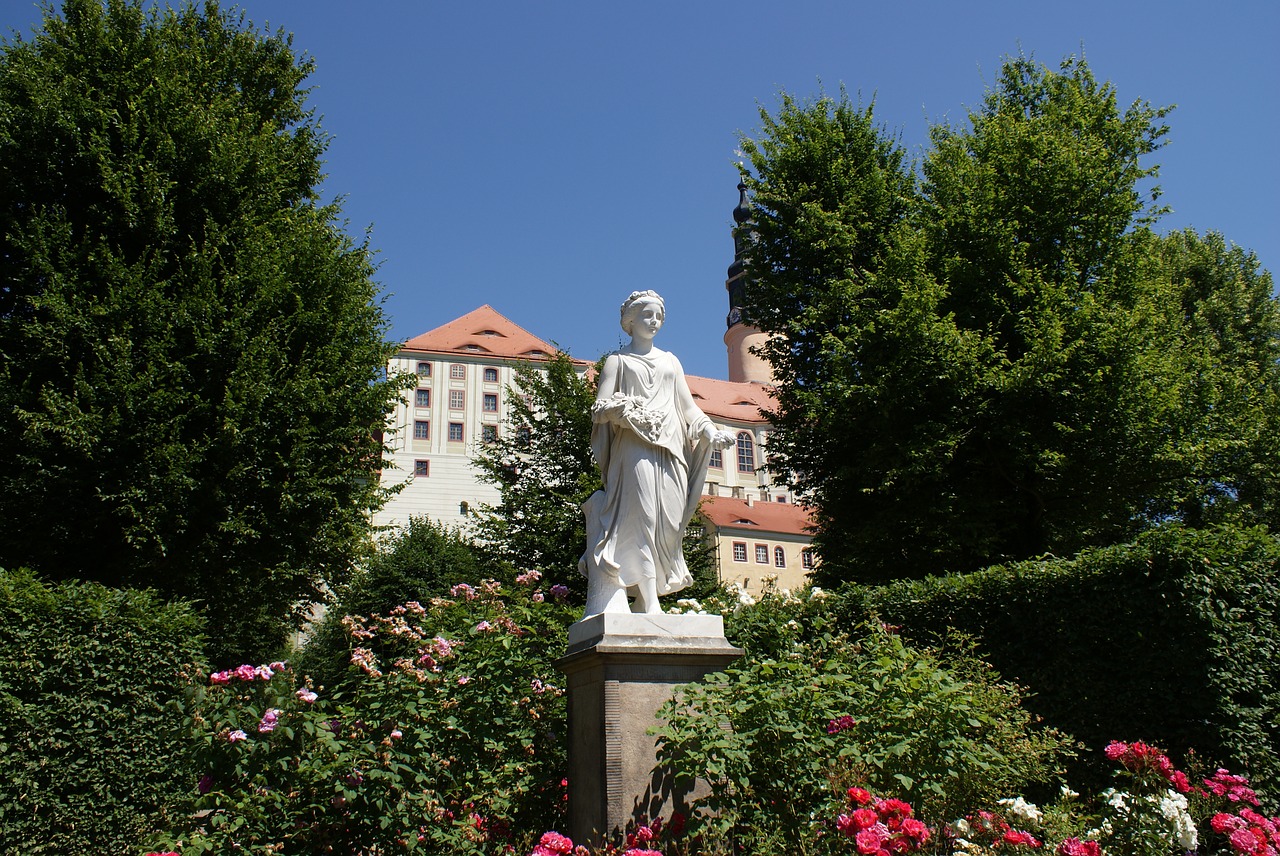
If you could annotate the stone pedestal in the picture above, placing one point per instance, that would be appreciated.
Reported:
(621, 668)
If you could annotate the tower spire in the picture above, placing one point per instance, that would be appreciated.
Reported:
(741, 337)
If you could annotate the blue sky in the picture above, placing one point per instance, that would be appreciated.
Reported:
(550, 157)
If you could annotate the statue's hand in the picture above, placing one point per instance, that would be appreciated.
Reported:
(721, 439)
(609, 409)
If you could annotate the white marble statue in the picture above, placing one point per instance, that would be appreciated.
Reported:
(652, 444)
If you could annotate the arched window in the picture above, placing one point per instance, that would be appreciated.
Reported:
(779, 557)
(746, 453)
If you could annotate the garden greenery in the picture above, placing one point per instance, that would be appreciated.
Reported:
(445, 735)
(91, 753)
(812, 708)
(1174, 638)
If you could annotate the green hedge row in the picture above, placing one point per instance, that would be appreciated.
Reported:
(1173, 639)
(90, 684)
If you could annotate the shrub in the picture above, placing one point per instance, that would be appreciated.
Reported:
(1174, 638)
(779, 732)
(416, 563)
(446, 734)
(89, 739)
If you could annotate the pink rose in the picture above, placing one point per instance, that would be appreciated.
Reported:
(1015, 836)
(915, 830)
(865, 818)
(1076, 847)
(870, 839)
(237, 735)
(861, 796)
(269, 720)
(306, 695)
(554, 842)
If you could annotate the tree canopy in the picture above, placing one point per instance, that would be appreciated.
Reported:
(542, 465)
(192, 350)
(995, 356)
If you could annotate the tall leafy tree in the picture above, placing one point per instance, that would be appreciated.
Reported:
(1002, 360)
(1222, 315)
(542, 465)
(192, 351)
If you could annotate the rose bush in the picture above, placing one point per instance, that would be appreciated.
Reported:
(446, 734)
(809, 706)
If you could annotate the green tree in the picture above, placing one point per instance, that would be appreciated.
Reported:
(990, 366)
(1224, 319)
(192, 354)
(542, 465)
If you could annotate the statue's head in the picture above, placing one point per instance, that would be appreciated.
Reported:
(634, 302)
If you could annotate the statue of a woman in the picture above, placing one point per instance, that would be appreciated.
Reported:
(652, 444)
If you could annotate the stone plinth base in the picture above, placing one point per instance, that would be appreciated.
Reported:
(621, 668)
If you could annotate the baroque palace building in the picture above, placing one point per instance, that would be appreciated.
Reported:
(466, 371)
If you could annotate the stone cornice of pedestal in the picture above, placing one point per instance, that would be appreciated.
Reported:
(651, 635)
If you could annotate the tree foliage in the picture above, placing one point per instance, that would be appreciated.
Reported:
(1001, 359)
(542, 465)
(192, 353)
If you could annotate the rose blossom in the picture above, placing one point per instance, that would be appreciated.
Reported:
(269, 721)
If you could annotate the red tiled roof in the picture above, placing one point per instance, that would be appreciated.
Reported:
(740, 402)
(785, 517)
(483, 331)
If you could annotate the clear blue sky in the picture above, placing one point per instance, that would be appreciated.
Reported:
(550, 157)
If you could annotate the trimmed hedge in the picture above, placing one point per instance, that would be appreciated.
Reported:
(90, 684)
(1173, 639)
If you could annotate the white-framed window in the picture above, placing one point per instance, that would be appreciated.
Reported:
(762, 554)
(455, 432)
(490, 375)
(457, 399)
(717, 460)
(779, 557)
(421, 430)
(458, 371)
(490, 402)
(806, 559)
(424, 369)
(488, 433)
(422, 398)
(746, 453)
(739, 551)
(421, 469)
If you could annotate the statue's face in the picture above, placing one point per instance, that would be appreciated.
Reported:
(646, 319)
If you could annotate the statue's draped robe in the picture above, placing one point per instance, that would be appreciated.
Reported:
(652, 476)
